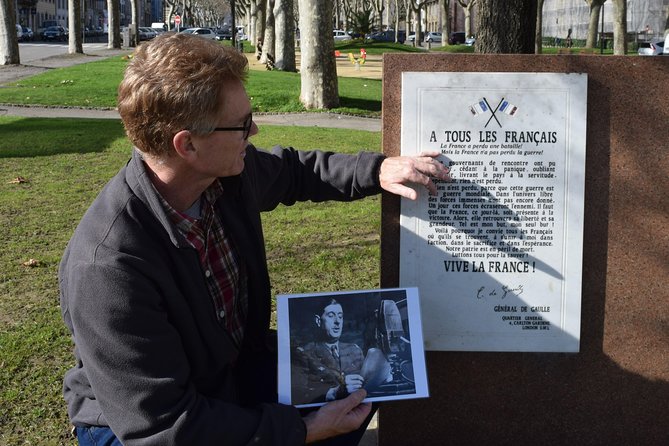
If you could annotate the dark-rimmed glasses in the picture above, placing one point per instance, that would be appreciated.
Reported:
(246, 127)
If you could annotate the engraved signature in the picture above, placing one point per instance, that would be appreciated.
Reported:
(503, 291)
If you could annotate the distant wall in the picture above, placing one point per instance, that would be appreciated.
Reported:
(616, 390)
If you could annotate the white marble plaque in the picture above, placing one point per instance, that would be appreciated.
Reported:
(497, 253)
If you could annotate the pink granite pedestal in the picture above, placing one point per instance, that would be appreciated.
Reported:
(615, 391)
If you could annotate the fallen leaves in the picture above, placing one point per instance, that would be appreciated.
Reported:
(18, 180)
(31, 263)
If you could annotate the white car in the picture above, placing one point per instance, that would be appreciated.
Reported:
(433, 37)
(652, 48)
(202, 32)
(340, 36)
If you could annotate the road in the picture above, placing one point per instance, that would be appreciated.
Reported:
(32, 51)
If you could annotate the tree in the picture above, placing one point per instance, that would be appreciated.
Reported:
(595, 11)
(467, 9)
(9, 41)
(620, 27)
(506, 26)
(114, 40)
(416, 6)
(445, 21)
(74, 42)
(268, 42)
(362, 21)
(398, 14)
(134, 23)
(284, 24)
(318, 74)
(257, 22)
(538, 39)
(379, 6)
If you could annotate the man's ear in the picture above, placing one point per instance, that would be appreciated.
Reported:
(183, 144)
(317, 319)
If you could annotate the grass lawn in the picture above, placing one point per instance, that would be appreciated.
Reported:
(310, 247)
(95, 85)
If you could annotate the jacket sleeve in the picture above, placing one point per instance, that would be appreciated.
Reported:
(139, 371)
(286, 175)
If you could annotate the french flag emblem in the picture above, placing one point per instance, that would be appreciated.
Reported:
(508, 108)
(479, 108)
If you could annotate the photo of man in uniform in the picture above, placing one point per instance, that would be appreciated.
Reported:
(327, 368)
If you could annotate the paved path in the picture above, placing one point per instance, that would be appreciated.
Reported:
(13, 73)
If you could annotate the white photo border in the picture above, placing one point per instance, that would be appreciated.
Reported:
(291, 315)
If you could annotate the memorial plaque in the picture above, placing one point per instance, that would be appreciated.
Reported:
(497, 253)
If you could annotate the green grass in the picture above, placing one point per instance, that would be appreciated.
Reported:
(310, 247)
(95, 85)
(92, 84)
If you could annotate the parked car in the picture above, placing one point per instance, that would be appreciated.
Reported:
(28, 34)
(202, 32)
(55, 33)
(412, 37)
(471, 40)
(340, 36)
(432, 37)
(19, 32)
(457, 38)
(146, 33)
(224, 34)
(652, 48)
(387, 36)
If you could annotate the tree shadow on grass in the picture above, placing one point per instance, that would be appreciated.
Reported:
(33, 137)
(370, 105)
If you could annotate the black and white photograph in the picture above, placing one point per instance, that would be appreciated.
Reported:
(332, 344)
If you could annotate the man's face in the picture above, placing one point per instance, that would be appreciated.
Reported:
(221, 153)
(331, 322)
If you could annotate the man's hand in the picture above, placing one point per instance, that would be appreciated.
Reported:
(338, 417)
(353, 382)
(398, 170)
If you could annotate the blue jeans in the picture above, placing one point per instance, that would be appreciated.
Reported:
(96, 436)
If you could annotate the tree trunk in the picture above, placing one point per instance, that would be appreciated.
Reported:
(74, 18)
(506, 26)
(620, 27)
(114, 40)
(595, 10)
(318, 72)
(268, 41)
(538, 36)
(445, 21)
(9, 41)
(467, 9)
(418, 14)
(397, 22)
(284, 24)
(259, 25)
(134, 25)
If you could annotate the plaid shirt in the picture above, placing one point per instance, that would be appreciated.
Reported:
(224, 274)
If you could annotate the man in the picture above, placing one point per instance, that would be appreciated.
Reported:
(164, 284)
(327, 369)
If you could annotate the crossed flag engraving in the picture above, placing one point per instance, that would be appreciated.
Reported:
(482, 106)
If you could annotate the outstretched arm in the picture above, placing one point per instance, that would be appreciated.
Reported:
(397, 171)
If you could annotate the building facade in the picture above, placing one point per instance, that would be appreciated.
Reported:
(644, 17)
(33, 13)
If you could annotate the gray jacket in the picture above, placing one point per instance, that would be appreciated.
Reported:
(152, 362)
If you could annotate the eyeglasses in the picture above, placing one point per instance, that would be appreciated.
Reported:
(248, 123)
